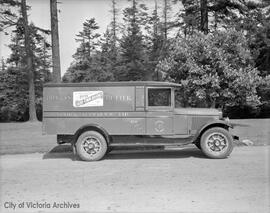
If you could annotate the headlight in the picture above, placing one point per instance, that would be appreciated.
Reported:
(220, 114)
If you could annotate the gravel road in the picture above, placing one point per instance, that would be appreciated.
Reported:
(154, 181)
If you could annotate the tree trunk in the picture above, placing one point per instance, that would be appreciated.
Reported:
(165, 19)
(216, 20)
(29, 58)
(155, 20)
(114, 11)
(134, 17)
(55, 42)
(204, 16)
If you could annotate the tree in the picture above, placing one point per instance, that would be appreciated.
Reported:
(133, 57)
(14, 14)
(166, 10)
(204, 16)
(29, 55)
(210, 15)
(215, 70)
(256, 24)
(155, 42)
(188, 17)
(14, 88)
(90, 63)
(114, 26)
(110, 44)
(226, 14)
(13, 94)
(88, 40)
(3, 65)
(55, 42)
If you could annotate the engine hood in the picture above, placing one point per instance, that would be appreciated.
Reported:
(198, 112)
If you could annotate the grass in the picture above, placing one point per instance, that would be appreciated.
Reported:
(27, 137)
(24, 138)
(258, 131)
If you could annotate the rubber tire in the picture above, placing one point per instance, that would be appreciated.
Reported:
(225, 133)
(83, 154)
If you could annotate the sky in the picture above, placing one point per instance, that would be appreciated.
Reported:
(72, 14)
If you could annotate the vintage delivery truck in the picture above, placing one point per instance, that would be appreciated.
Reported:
(95, 117)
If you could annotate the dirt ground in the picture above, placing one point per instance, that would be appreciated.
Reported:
(38, 176)
(153, 181)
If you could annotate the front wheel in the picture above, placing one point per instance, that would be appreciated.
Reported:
(216, 143)
(91, 146)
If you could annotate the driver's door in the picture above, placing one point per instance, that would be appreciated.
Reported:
(159, 110)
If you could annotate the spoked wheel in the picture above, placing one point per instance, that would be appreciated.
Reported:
(216, 143)
(91, 146)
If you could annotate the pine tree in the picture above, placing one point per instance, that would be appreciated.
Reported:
(114, 25)
(88, 40)
(15, 87)
(14, 13)
(133, 58)
(95, 57)
(156, 42)
(3, 65)
(188, 17)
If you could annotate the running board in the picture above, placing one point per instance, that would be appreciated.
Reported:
(148, 144)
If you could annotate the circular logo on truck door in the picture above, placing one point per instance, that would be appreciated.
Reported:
(159, 126)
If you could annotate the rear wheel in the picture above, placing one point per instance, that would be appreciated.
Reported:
(91, 146)
(216, 143)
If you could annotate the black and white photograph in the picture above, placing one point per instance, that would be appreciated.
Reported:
(135, 106)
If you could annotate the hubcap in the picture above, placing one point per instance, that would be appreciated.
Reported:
(216, 142)
(91, 145)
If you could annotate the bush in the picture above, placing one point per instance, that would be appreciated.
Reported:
(215, 70)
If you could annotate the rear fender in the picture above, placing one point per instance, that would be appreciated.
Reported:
(92, 127)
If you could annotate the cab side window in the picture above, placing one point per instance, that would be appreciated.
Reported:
(159, 97)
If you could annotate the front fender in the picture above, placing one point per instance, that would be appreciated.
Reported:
(214, 123)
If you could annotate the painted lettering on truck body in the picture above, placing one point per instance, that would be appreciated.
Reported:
(114, 98)
(113, 108)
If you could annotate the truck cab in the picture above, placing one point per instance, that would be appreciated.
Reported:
(95, 117)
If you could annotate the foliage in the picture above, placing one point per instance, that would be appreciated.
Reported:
(14, 79)
(156, 38)
(13, 90)
(8, 17)
(228, 68)
(91, 64)
(133, 56)
(215, 70)
(88, 40)
(189, 17)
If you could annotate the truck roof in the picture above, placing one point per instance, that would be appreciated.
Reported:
(116, 84)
